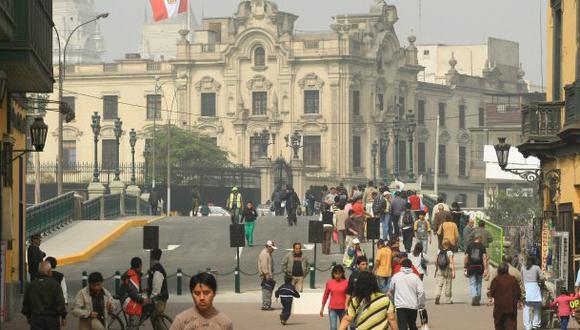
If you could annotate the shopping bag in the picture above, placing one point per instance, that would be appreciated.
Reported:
(424, 318)
(335, 236)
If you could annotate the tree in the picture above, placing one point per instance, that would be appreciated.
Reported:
(189, 149)
(517, 208)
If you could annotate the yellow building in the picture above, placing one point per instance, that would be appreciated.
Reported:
(25, 66)
(551, 132)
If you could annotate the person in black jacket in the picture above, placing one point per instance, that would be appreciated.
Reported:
(249, 216)
(286, 292)
(157, 288)
(59, 277)
(34, 256)
(292, 203)
(43, 303)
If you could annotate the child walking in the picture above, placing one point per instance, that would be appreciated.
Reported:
(249, 216)
(286, 292)
(564, 310)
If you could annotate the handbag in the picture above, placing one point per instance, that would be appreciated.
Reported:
(423, 317)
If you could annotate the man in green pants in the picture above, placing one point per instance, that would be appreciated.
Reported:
(249, 216)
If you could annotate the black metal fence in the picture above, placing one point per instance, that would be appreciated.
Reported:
(91, 209)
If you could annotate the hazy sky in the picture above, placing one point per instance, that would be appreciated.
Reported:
(443, 21)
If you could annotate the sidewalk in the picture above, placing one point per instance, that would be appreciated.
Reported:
(72, 244)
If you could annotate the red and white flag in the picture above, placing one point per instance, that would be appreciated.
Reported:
(163, 9)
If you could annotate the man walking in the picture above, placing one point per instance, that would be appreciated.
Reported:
(448, 230)
(43, 303)
(266, 270)
(467, 232)
(409, 296)
(296, 265)
(292, 203)
(439, 219)
(59, 277)
(34, 256)
(422, 230)
(234, 205)
(398, 206)
(92, 304)
(476, 264)
(341, 217)
(154, 201)
(504, 294)
(133, 304)
(369, 196)
(157, 288)
(383, 267)
(480, 231)
(277, 197)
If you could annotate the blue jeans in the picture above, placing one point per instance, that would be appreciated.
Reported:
(425, 243)
(385, 223)
(475, 285)
(335, 316)
(564, 322)
(383, 283)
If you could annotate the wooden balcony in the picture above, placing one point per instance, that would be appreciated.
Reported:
(7, 23)
(571, 128)
(541, 122)
(27, 58)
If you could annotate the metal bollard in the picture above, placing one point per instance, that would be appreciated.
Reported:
(237, 280)
(313, 276)
(84, 279)
(117, 282)
(179, 280)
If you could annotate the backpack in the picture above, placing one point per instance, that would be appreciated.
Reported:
(379, 205)
(442, 260)
(408, 219)
(475, 256)
(123, 291)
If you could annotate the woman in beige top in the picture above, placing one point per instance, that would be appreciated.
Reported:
(203, 315)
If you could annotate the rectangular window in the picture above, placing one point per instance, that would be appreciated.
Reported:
(356, 152)
(462, 117)
(153, 106)
(255, 149)
(217, 28)
(462, 161)
(402, 156)
(481, 117)
(312, 151)
(109, 155)
(69, 154)
(421, 112)
(480, 200)
(442, 114)
(311, 101)
(208, 104)
(70, 100)
(401, 107)
(421, 157)
(381, 102)
(110, 107)
(259, 103)
(356, 103)
(557, 51)
(442, 159)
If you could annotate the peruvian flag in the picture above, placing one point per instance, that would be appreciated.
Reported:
(163, 9)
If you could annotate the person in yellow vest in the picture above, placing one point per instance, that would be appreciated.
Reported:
(234, 205)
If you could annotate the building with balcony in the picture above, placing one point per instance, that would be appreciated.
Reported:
(551, 132)
(25, 66)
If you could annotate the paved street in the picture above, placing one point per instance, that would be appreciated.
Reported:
(204, 242)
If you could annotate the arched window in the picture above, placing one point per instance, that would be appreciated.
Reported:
(260, 57)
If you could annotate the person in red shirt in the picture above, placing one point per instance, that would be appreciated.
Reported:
(358, 209)
(564, 310)
(414, 200)
(336, 290)
(397, 261)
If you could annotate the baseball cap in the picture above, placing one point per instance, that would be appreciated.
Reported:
(271, 244)
(356, 241)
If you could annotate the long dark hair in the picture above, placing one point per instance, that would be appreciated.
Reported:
(418, 249)
(337, 269)
(366, 285)
(530, 261)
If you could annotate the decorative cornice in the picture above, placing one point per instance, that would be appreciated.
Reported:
(259, 83)
(207, 84)
(311, 81)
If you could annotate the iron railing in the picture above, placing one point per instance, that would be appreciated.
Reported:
(50, 215)
(131, 204)
(541, 121)
(91, 209)
(82, 172)
(112, 206)
(144, 207)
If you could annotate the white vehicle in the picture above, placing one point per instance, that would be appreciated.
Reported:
(215, 211)
(265, 210)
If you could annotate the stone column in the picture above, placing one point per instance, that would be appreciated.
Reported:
(265, 167)
(135, 191)
(96, 189)
(118, 187)
(298, 176)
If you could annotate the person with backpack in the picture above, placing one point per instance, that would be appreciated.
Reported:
(157, 288)
(407, 223)
(444, 272)
(476, 264)
(422, 229)
(131, 294)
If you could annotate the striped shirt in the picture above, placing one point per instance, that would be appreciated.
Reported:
(373, 315)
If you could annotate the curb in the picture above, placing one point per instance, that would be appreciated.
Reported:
(104, 242)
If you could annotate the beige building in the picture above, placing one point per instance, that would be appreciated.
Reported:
(341, 90)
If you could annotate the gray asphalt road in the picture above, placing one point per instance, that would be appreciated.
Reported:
(203, 243)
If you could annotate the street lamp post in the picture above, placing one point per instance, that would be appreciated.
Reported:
(385, 141)
(411, 125)
(374, 153)
(96, 126)
(294, 142)
(118, 133)
(62, 112)
(396, 132)
(132, 142)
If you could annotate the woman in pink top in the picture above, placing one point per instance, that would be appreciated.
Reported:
(336, 289)
(564, 309)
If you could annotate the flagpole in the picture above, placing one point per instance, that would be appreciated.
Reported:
(189, 17)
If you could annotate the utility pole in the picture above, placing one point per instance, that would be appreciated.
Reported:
(436, 182)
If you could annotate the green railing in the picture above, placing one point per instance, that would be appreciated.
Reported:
(91, 209)
(131, 204)
(144, 207)
(50, 215)
(112, 206)
(495, 248)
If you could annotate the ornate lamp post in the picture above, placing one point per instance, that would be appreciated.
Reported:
(385, 141)
(132, 142)
(410, 126)
(118, 133)
(96, 126)
(146, 157)
(294, 141)
(396, 132)
(374, 153)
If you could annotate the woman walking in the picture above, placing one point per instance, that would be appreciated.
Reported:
(419, 260)
(336, 289)
(249, 216)
(532, 275)
(444, 272)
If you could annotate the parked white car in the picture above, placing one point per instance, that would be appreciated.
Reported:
(215, 211)
(265, 210)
